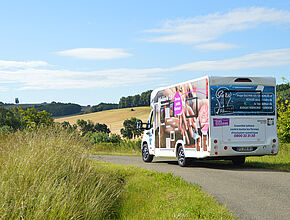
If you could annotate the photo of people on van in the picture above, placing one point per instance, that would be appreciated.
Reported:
(185, 114)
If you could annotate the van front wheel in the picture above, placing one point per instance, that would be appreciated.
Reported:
(182, 160)
(145, 154)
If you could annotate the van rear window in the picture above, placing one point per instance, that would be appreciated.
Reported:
(242, 100)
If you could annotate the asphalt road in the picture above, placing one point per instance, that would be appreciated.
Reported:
(250, 193)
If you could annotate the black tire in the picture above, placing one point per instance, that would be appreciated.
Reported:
(145, 154)
(182, 160)
(239, 161)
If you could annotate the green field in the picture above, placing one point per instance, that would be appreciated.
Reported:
(46, 174)
(112, 118)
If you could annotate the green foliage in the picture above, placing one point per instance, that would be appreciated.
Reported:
(102, 107)
(5, 130)
(89, 126)
(59, 109)
(34, 118)
(283, 120)
(283, 93)
(45, 174)
(130, 128)
(11, 118)
(67, 126)
(102, 137)
(135, 101)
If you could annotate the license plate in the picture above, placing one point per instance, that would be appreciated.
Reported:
(244, 149)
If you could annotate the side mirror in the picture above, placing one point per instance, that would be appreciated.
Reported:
(143, 126)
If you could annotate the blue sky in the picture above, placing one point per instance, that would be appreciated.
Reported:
(89, 52)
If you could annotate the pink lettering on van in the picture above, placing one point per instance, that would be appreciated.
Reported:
(177, 104)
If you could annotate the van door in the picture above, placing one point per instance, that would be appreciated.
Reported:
(150, 133)
(165, 140)
(156, 124)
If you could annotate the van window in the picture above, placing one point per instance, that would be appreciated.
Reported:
(150, 121)
(191, 106)
(162, 114)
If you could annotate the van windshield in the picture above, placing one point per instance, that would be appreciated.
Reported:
(242, 100)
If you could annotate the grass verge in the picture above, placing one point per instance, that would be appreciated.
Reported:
(151, 195)
(280, 162)
(45, 174)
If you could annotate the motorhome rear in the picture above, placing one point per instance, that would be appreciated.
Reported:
(212, 117)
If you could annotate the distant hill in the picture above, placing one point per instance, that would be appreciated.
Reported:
(112, 118)
(54, 108)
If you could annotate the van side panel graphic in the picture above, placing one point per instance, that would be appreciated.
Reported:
(184, 115)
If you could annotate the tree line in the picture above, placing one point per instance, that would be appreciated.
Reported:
(136, 100)
(124, 102)
(54, 108)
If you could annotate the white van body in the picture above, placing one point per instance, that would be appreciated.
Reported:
(216, 117)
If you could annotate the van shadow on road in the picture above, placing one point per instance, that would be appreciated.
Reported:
(220, 165)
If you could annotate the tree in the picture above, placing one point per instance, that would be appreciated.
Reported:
(89, 126)
(67, 126)
(11, 117)
(34, 118)
(130, 128)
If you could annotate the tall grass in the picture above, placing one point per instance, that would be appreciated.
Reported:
(45, 174)
(125, 147)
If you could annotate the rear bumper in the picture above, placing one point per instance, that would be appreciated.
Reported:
(245, 150)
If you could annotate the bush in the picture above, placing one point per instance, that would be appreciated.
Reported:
(34, 118)
(283, 121)
(5, 129)
(102, 137)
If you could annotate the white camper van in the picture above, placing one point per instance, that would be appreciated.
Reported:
(212, 117)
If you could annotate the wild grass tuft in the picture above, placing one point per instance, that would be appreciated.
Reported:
(45, 175)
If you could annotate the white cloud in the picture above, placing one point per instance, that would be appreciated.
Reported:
(37, 79)
(7, 64)
(95, 53)
(210, 27)
(216, 46)
(268, 58)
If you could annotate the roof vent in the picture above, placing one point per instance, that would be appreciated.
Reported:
(243, 80)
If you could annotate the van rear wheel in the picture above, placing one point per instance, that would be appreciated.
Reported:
(145, 154)
(238, 161)
(182, 160)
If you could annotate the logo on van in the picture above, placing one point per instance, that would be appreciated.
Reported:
(177, 104)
